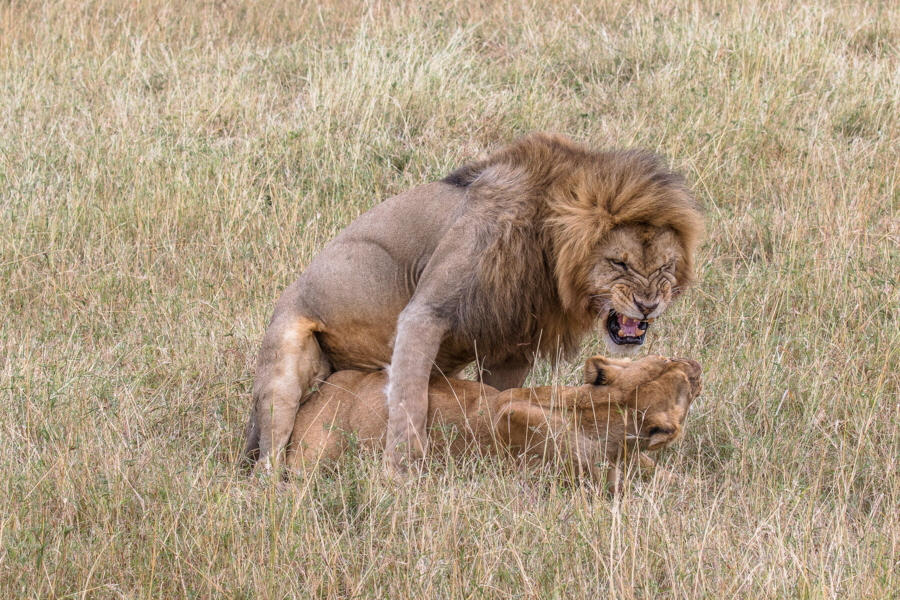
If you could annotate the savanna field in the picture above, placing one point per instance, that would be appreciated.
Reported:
(167, 169)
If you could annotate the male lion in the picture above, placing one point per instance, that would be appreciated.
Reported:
(506, 259)
(623, 406)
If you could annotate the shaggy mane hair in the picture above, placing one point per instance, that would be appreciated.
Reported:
(545, 204)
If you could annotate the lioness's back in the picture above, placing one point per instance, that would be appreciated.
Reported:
(352, 405)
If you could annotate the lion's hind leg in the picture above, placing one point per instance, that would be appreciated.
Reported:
(291, 364)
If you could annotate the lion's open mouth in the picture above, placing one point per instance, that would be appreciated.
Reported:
(625, 330)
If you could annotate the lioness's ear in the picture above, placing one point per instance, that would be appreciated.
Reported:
(598, 371)
(694, 372)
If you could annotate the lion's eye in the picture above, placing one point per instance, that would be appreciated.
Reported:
(619, 264)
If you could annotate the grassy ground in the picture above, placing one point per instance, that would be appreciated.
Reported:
(165, 171)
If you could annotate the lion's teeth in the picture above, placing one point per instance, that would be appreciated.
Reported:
(621, 333)
(651, 320)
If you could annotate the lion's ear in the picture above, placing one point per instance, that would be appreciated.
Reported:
(599, 371)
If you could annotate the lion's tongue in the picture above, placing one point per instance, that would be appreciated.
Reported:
(628, 327)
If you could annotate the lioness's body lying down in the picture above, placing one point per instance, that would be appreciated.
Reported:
(636, 405)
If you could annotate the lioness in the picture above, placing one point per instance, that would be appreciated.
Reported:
(639, 405)
(506, 259)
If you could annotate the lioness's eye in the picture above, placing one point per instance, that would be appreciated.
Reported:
(620, 264)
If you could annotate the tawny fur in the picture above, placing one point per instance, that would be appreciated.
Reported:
(623, 406)
(552, 201)
(505, 260)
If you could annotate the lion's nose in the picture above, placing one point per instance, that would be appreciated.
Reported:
(646, 309)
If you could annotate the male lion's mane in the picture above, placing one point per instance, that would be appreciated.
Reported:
(547, 203)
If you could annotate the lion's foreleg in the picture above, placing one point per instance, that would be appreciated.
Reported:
(291, 364)
(418, 340)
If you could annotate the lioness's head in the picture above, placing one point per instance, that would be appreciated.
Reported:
(657, 390)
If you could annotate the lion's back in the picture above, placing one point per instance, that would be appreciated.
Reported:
(359, 283)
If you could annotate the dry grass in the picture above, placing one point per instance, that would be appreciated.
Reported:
(165, 171)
